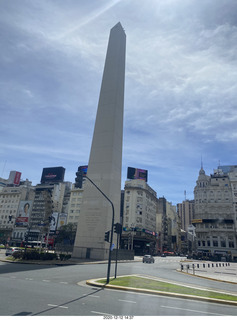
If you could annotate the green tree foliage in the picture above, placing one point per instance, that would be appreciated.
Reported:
(67, 234)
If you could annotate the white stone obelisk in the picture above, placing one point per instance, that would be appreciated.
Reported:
(105, 162)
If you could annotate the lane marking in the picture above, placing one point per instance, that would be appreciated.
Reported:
(57, 306)
(46, 280)
(106, 314)
(129, 301)
(64, 282)
(94, 296)
(217, 314)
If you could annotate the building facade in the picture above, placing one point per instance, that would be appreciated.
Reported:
(139, 217)
(215, 214)
(15, 208)
(186, 213)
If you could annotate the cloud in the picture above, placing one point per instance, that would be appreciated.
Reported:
(180, 87)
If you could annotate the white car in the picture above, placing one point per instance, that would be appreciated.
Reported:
(148, 259)
(10, 251)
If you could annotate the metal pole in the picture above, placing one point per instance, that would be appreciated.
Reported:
(116, 261)
(111, 238)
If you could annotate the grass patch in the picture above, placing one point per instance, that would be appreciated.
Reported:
(142, 283)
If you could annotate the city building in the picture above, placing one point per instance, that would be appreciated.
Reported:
(74, 205)
(139, 217)
(15, 207)
(215, 213)
(168, 227)
(186, 213)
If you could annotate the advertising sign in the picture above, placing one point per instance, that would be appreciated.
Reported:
(17, 178)
(54, 174)
(62, 220)
(54, 220)
(134, 173)
(14, 177)
(83, 169)
(23, 213)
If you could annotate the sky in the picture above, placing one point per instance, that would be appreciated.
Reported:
(180, 86)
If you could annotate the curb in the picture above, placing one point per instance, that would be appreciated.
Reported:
(93, 282)
(207, 278)
(54, 263)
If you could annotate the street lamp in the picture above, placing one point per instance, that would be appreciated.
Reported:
(79, 180)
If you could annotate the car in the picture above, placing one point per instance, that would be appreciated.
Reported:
(10, 251)
(148, 259)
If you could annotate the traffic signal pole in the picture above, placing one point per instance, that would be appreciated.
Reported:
(111, 237)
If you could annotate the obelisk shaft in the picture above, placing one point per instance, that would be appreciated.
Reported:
(105, 161)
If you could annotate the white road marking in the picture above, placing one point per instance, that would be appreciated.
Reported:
(106, 314)
(46, 280)
(64, 282)
(57, 306)
(217, 314)
(94, 296)
(29, 279)
(129, 301)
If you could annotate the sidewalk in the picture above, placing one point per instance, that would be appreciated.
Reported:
(219, 271)
(71, 261)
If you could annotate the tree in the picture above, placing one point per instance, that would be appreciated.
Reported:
(67, 234)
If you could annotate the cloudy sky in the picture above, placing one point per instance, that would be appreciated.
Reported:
(180, 90)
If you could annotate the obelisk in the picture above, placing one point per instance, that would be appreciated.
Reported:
(105, 161)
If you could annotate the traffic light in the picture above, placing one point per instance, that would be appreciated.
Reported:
(79, 179)
(118, 228)
(107, 236)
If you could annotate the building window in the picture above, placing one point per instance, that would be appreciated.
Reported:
(215, 243)
(231, 244)
(223, 243)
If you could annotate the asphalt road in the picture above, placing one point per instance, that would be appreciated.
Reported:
(61, 290)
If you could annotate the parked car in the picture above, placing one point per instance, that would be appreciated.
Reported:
(148, 259)
(10, 251)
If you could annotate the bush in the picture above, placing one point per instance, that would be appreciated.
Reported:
(48, 256)
(18, 254)
(31, 255)
(64, 256)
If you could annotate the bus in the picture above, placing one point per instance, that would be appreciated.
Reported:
(33, 244)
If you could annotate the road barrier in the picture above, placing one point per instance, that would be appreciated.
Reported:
(202, 266)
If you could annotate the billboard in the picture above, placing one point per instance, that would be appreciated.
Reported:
(23, 213)
(62, 220)
(14, 178)
(54, 221)
(134, 173)
(83, 169)
(51, 175)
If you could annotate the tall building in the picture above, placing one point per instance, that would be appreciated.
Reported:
(48, 202)
(215, 213)
(139, 217)
(15, 207)
(186, 213)
(105, 162)
(168, 227)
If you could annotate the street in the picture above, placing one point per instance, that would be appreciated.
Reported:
(36, 290)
